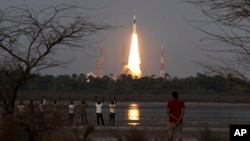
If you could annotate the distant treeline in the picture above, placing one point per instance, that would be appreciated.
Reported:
(201, 83)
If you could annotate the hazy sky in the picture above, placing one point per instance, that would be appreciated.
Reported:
(158, 21)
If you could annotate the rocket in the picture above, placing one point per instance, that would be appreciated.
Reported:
(134, 25)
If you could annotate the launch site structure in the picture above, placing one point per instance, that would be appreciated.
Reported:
(162, 63)
(99, 64)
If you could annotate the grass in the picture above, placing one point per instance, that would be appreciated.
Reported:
(208, 135)
(10, 130)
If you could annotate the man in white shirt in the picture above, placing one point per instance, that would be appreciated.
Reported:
(98, 105)
(20, 108)
(71, 112)
(41, 108)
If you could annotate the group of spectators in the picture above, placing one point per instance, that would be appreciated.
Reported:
(99, 104)
(71, 108)
(175, 109)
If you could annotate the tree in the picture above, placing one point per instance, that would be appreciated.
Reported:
(29, 38)
(232, 36)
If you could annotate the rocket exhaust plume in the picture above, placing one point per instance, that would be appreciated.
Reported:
(134, 60)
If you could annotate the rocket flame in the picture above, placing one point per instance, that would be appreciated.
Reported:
(134, 60)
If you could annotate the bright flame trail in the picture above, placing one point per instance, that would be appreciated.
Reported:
(134, 60)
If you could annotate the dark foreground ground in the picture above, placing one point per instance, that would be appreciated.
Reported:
(155, 133)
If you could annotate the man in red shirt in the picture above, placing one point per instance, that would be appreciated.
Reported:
(175, 109)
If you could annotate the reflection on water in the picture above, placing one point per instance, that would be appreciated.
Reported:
(133, 114)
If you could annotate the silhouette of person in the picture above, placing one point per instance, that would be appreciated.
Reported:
(71, 112)
(112, 104)
(99, 105)
(41, 108)
(31, 107)
(175, 110)
(20, 108)
(83, 111)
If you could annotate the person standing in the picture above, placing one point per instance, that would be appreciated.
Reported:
(112, 104)
(175, 110)
(71, 112)
(20, 108)
(55, 110)
(98, 105)
(83, 112)
(41, 108)
(44, 100)
(31, 107)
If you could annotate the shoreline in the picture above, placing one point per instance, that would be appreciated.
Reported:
(151, 102)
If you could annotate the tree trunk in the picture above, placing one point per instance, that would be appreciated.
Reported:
(9, 105)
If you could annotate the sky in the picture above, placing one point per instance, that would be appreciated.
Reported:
(166, 22)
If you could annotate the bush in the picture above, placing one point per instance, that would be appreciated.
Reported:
(28, 127)
(136, 135)
(208, 135)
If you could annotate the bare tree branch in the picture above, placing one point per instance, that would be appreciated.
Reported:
(30, 37)
(232, 19)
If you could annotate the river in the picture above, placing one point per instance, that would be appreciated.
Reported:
(196, 114)
(219, 115)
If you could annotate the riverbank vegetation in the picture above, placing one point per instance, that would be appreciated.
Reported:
(199, 88)
(31, 127)
(200, 83)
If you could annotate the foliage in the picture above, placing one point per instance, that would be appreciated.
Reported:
(133, 134)
(82, 134)
(226, 25)
(29, 127)
(29, 40)
(208, 135)
(125, 84)
(136, 135)
(36, 126)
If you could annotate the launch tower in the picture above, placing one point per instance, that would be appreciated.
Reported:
(162, 65)
(99, 64)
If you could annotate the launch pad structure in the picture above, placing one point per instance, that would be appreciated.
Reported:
(133, 67)
(99, 64)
